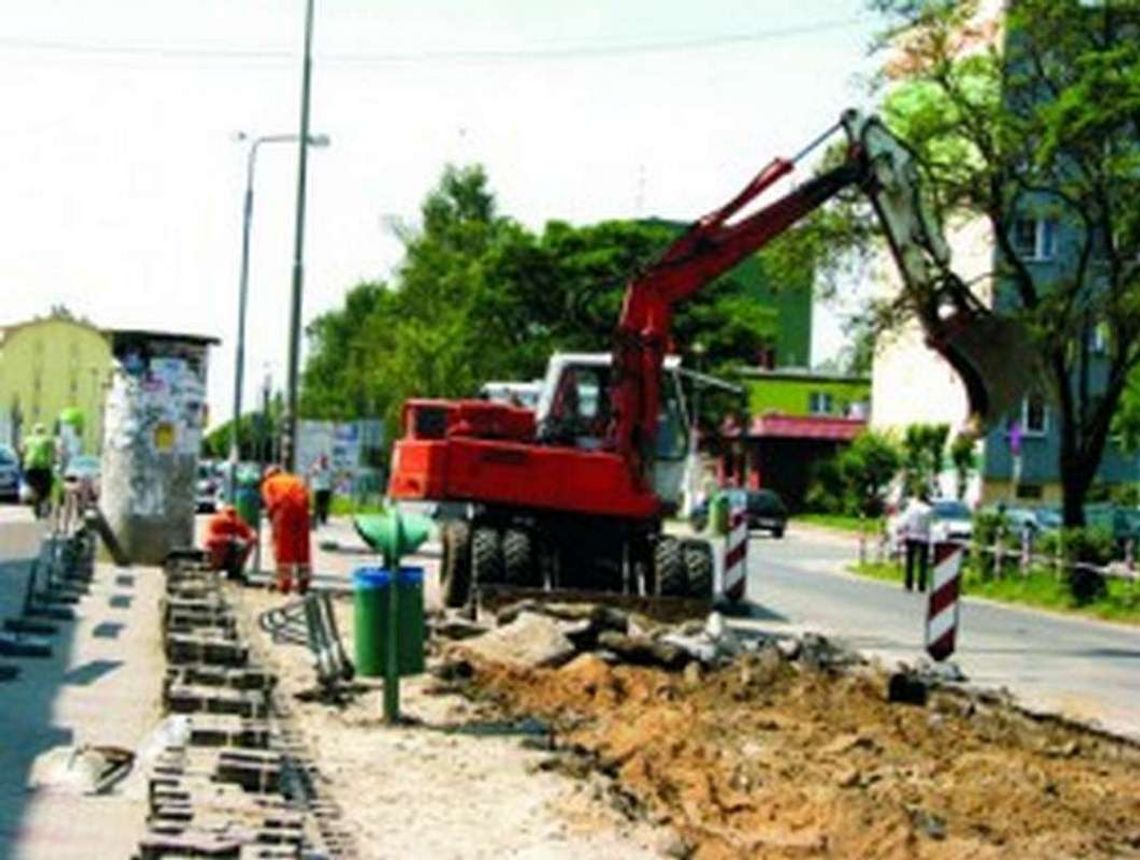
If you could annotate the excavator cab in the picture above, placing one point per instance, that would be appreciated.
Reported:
(574, 410)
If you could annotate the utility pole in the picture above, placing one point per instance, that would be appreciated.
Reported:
(289, 431)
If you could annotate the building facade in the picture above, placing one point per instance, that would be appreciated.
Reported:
(798, 418)
(47, 365)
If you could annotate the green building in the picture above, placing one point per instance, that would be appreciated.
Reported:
(796, 418)
(798, 391)
(791, 303)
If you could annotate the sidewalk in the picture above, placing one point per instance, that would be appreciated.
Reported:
(100, 686)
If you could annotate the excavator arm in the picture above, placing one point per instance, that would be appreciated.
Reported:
(883, 168)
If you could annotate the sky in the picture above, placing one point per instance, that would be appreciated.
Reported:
(122, 177)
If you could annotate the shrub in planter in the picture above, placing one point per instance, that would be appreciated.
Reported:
(1087, 546)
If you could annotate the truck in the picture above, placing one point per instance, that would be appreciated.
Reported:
(573, 494)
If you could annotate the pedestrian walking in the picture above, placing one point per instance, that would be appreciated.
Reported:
(916, 527)
(321, 481)
(287, 503)
(38, 452)
(229, 542)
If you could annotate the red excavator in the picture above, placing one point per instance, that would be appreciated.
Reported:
(569, 495)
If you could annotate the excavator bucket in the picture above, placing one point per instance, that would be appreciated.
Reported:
(993, 356)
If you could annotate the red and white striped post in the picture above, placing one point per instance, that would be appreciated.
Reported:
(942, 610)
(736, 552)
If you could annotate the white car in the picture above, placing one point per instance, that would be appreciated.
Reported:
(950, 520)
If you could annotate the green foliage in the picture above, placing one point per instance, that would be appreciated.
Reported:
(962, 457)
(1081, 547)
(828, 489)
(924, 447)
(993, 529)
(1043, 125)
(256, 435)
(479, 297)
(1038, 588)
(868, 465)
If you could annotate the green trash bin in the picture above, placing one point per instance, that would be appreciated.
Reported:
(247, 496)
(371, 591)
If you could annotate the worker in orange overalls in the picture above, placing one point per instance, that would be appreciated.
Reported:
(287, 501)
(229, 541)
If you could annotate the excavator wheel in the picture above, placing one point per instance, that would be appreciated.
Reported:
(669, 564)
(455, 566)
(518, 558)
(698, 567)
(486, 555)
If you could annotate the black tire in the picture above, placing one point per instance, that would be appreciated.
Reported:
(486, 556)
(669, 565)
(778, 533)
(698, 568)
(518, 558)
(455, 566)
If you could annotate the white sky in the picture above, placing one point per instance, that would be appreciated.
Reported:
(121, 184)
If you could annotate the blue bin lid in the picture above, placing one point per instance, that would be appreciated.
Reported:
(410, 576)
(366, 578)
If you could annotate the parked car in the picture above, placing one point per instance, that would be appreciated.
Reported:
(9, 475)
(950, 520)
(1122, 523)
(764, 509)
(84, 471)
(208, 488)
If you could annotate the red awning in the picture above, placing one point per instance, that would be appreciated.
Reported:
(806, 427)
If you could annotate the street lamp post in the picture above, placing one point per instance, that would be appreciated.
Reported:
(243, 288)
(289, 436)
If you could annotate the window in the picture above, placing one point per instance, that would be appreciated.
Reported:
(819, 403)
(1035, 239)
(1034, 416)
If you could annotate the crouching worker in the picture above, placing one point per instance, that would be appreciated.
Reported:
(229, 542)
(287, 502)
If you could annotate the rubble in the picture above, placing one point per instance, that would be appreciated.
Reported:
(794, 746)
(529, 640)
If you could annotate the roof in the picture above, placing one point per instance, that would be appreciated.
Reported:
(823, 427)
(122, 334)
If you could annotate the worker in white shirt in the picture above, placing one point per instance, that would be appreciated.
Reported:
(916, 527)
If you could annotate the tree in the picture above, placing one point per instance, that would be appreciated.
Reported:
(962, 456)
(1046, 129)
(868, 466)
(480, 297)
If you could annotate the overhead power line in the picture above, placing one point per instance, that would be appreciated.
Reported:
(552, 52)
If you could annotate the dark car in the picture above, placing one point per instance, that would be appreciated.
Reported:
(764, 509)
(9, 475)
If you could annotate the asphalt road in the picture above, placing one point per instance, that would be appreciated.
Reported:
(1083, 669)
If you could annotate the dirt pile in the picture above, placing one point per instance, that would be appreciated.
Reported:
(772, 757)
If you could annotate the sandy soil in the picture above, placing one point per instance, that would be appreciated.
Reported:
(768, 759)
(451, 784)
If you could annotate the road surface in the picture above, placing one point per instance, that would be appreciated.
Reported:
(1083, 669)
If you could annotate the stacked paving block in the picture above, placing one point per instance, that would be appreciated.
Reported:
(240, 786)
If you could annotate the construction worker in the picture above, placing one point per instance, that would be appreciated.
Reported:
(38, 453)
(287, 503)
(229, 542)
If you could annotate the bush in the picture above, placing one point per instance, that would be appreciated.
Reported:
(1092, 546)
(828, 491)
(990, 529)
